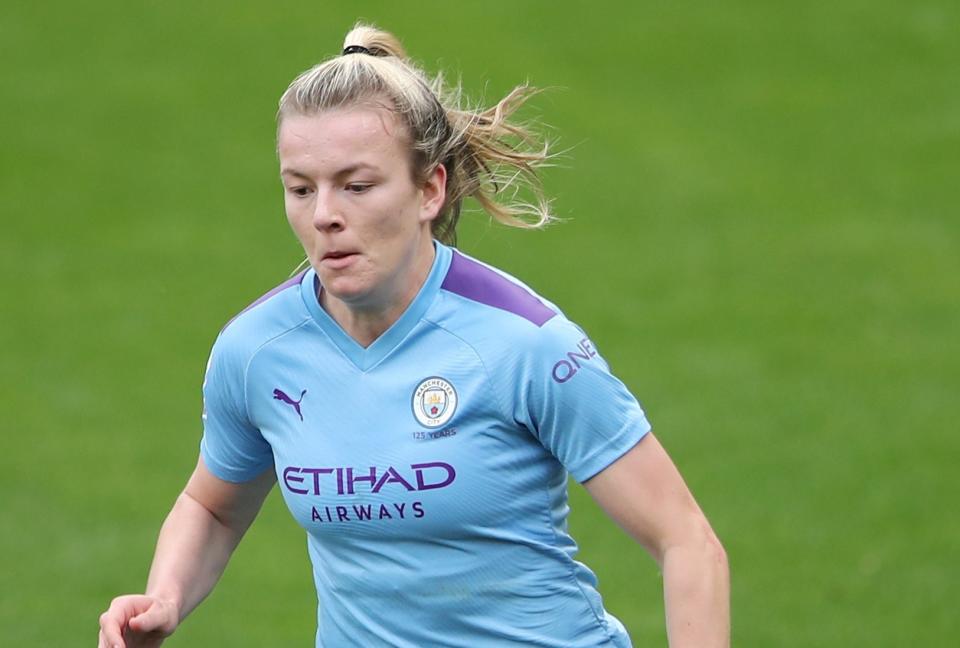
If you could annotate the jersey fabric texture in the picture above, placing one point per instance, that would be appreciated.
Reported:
(429, 469)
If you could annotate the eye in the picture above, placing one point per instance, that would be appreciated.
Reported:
(299, 192)
(358, 187)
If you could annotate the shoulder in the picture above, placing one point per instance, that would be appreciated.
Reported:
(485, 286)
(498, 314)
(274, 313)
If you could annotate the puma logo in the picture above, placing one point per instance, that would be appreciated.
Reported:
(295, 404)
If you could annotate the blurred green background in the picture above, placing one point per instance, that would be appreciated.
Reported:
(762, 238)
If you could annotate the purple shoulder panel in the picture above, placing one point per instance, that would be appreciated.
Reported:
(479, 283)
(292, 281)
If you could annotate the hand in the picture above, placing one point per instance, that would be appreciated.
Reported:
(137, 621)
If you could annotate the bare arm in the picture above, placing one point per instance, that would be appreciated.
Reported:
(204, 527)
(645, 494)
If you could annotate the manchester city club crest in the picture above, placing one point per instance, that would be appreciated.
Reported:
(434, 402)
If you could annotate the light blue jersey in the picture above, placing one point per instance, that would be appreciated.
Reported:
(430, 468)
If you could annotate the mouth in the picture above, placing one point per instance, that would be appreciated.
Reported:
(337, 258)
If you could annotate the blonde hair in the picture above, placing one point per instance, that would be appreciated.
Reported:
(486, 155)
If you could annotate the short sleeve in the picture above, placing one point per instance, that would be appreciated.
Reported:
(583, 414)
(232, 448)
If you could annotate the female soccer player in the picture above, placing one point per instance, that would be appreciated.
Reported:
(419, 409)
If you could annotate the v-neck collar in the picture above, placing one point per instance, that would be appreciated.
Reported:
(366, 358)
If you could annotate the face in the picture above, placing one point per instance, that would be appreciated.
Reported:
(351, 199)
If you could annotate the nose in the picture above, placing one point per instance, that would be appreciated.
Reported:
(327, 214)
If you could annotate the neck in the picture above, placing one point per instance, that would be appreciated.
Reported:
(367, 320)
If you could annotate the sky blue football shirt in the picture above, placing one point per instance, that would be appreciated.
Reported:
(430, 468)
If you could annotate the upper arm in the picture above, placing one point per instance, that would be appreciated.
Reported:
(232, 446)
(644, 493)
(233, 504)
(566, 395)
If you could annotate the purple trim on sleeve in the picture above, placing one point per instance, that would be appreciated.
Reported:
(479, 283)
(292, 281)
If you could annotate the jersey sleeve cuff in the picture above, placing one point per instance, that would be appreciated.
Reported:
(236, 475)
(611, 451)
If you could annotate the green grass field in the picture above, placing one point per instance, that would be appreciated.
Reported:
(762, 238)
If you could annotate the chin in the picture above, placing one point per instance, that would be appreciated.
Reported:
(346, 289)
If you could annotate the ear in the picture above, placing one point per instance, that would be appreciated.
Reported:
(433, 192)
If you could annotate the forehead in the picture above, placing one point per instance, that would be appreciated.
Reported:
(358, 133)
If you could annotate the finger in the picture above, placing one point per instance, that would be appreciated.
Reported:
(103, 643)
(154, 618)
(110, 632)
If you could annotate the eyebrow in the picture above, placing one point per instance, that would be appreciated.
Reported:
(347, 170)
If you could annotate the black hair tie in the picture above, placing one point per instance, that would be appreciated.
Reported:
(355, 49)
